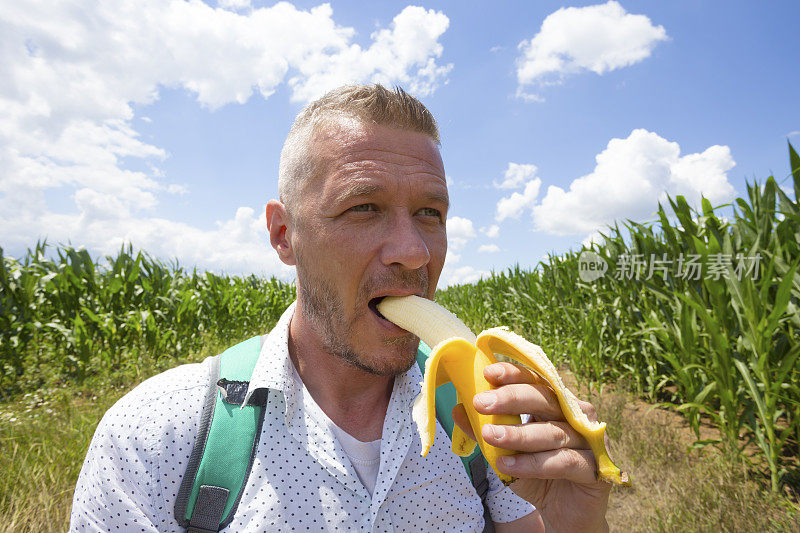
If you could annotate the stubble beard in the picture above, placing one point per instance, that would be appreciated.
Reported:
(325, 311)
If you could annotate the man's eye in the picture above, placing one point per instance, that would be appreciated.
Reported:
(363, 208)
(429, 211)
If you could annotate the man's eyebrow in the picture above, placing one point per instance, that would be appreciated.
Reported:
(438, 197)
(357, 190)
(367, 189)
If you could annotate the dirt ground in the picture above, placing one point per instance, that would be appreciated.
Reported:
(677, 487)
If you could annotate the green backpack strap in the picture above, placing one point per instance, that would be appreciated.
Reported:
(474, 464)
(226, 443)
(225, 446)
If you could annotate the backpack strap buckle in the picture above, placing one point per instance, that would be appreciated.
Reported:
(208, 510)
(233, 392)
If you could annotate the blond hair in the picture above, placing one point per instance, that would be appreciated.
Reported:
(370, 104)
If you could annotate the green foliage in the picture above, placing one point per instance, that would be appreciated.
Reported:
(66, 318)
(723, 347)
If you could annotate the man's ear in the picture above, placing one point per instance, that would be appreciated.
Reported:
(279, 228)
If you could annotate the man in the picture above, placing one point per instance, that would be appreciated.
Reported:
(362, 212)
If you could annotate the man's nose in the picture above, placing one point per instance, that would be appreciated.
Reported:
(404, 244)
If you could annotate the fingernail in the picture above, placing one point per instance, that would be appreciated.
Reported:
(496, 371)
(498, 432)
(508, 460)
(486, 399)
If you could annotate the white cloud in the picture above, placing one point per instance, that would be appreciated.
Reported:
(594, 238)
(174, 188)
(793, 133)
(488, 249)
(460, 227)
(72, 75)
(598, 38)
(460, 230)
(236, 245)
(512, 206)
(234, 4)
(406, 54)
(461, 275)
(491, 231)
(631, 176)
(516, 175)
(529, 97)
(454, 274)
(451, 258)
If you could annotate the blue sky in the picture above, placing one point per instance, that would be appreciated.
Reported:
(160, 122)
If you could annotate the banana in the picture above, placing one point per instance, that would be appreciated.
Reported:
(459, 356)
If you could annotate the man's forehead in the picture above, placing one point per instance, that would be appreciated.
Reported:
(350, 140)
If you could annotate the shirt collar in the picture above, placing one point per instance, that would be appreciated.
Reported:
(274, 367)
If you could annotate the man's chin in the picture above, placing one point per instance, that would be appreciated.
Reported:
(403, 357)
(406, 352)
(394, 370)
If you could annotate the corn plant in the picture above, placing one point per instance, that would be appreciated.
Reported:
(70, 316)
(722, 348)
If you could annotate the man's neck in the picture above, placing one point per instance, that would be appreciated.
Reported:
(353, 399)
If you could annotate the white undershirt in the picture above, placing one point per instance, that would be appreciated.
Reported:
(364, 456)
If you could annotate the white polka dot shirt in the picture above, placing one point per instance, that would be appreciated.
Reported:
(301, 479)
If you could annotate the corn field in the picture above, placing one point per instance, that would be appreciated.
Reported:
(68, 317)
(722, 348)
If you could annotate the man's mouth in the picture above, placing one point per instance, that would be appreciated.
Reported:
(373, 305)
(373, 302)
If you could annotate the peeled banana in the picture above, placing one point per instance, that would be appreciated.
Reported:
(459, 356)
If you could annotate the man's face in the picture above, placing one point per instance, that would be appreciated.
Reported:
(371, 223)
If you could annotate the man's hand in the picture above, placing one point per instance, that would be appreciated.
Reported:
(555, 469)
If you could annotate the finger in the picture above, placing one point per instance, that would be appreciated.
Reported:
(518, 399)
(534, 437)
(573, 465)
(498, 374)
(589, 410)
(459, 415)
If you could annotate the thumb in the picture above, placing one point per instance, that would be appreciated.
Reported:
(459, 415)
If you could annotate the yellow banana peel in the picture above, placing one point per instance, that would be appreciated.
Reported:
(458, 356)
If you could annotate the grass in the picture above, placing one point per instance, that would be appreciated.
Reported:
(43, 449)
(44, 438)
(677, 487)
